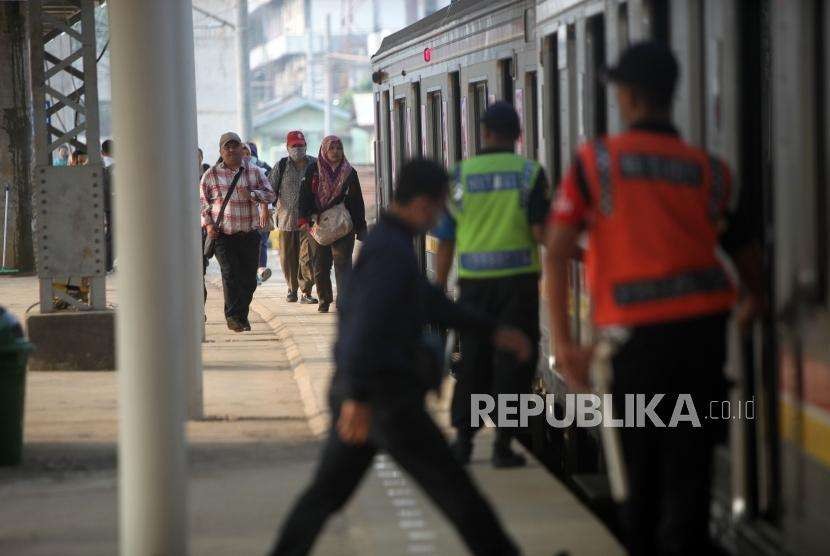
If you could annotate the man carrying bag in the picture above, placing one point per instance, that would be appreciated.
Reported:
(231, 192)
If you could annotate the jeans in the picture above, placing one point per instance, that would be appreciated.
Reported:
(406, 432)
(263, 249)
(340, 254)
(238, 257)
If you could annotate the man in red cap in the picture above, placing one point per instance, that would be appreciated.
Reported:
(296, 252)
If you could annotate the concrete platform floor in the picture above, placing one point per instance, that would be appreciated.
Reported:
(250, 457)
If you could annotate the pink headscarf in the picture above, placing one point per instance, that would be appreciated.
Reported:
(330, 180)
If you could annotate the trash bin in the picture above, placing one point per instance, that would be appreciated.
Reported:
(14, 351)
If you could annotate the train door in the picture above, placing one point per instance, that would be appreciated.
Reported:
(793, 491)
(455, 115)
(527, 103)
(377, 157)
(507, 73)
(386, 147)
(552, 123)
(478, 90)
(478, 96)
(400, 137)
(434, 145)
(416, 149)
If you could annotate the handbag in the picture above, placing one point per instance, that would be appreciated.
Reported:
(332, 224)
(209, 248)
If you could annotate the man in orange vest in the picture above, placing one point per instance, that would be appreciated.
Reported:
(659, 214)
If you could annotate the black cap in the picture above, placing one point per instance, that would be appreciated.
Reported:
(501, 117)
(650, 65)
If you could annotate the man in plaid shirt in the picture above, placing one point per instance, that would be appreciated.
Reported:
(237, 237)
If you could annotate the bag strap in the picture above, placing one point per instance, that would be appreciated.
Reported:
(227, 196)
(281, 165)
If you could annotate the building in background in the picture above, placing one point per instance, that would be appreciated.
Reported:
(288, 44)
(214, 36)
(296, 45)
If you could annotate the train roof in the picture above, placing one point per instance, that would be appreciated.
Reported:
(455, 10)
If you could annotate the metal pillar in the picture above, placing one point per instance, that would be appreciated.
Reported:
(243, 90)
(15, 136)
(149, 102)
(70, 241)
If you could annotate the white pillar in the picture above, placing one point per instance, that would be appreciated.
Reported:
(190, 221)
(154, 174)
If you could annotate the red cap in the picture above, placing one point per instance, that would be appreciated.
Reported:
(295, 139)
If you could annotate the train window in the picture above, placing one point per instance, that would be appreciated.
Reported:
(532, 124)
(435, 127)
(387, 141)
(478, 93)
(822, 150)
(554, 123)
(455, 91)
(622, 27)
(416, 140)
(596, 52)
(401, 153)
(506, 71)
(660, 20)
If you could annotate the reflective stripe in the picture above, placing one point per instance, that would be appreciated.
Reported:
(718, 189)
(495, 181)
(606, 201)
(696, 281)
(496, 260)
(678, 171)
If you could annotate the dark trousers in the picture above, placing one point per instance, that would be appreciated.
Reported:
(669, 469)
(339, 253)
(205, 263)
(410, 436)
(238, 257)
(297, 259)
(484, 370)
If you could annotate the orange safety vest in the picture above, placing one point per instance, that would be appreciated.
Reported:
(657, 204)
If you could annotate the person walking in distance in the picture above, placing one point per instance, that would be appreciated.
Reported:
(296, 250)
(239, 187)
(329, 186)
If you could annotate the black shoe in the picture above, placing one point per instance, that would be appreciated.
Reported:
(291, 297)
(462, 449)
(323, 307)
(308, 299)
(507, 458)
(235, 324)
(246, 326)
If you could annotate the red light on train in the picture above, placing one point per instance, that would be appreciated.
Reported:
(427, 54)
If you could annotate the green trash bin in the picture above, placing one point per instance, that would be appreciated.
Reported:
(14, 351)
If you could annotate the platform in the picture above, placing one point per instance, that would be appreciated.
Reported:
(250, 457)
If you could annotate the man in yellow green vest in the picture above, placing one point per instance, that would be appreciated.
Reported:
(493, 227)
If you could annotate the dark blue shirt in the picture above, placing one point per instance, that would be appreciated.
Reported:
(383, 310)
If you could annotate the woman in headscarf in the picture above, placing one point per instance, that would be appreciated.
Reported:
(329, 182)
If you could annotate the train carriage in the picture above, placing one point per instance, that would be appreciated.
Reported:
(753, 91)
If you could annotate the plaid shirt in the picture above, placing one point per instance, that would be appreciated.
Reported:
(241, 214)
